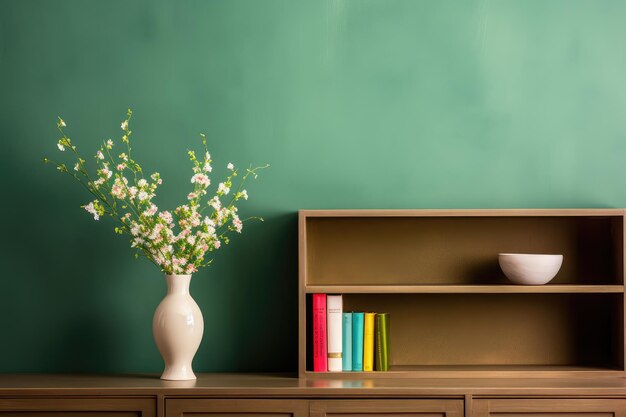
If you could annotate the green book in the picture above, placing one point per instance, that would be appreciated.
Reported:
(381, 338)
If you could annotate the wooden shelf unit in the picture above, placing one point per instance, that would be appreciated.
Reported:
(453, 312)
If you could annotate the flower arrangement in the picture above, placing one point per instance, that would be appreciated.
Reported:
(177, 241)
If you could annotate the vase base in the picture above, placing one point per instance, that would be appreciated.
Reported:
(178, 375)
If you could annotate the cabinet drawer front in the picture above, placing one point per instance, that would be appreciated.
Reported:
(235, 408)
(77, 407)
(549, 408)
(387, 408)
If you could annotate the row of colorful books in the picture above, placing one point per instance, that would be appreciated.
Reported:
(351, 341)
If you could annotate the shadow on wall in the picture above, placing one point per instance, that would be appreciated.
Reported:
(53, 253)
(250, 304)
(80, 341)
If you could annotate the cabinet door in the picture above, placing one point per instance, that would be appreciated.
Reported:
(77, 407)
(549, 408)
(387, 408)
(235, 408)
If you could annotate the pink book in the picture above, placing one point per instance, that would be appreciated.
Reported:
(319, 333)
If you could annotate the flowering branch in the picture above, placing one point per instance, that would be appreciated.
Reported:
(177, 241)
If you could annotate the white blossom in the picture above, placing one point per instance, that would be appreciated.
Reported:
(92, 210)
(142, 195)
(215, 203)
(135, 229)
(166, 216)
(151, 210)
(223, 189)
(106, 172)
(118, 191)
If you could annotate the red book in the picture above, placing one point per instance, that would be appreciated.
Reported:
(320, 359)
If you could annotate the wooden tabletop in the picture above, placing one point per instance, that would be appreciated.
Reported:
(284, 386)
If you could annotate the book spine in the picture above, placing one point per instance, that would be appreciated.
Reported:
(368, 342)
(346, 348)
(357, 341)
(334, 307)
(319, 333)
(381, 362)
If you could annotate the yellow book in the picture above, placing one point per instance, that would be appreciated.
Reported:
(368, 342)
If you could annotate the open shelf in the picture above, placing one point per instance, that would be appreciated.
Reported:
(495, 332)
(453, 312)
(460, 250)
(451, 289)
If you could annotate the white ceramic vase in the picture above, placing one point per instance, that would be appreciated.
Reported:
(177, 328)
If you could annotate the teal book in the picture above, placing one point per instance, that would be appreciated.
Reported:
(347, 342)
(358, 320)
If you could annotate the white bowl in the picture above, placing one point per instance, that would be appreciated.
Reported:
(530, 269)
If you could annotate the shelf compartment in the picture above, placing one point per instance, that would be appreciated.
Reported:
(499, 334)
(457, 250)
(452, 289)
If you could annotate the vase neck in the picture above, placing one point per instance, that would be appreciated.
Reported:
(178, 284)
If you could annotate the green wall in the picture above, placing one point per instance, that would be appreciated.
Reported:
(354, 103)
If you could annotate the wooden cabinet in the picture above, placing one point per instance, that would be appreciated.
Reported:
(263, 395)
(77, 407)
(387, 408)
(549, 407)
(235, 408)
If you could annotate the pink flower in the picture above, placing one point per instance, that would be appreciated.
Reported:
(151, 210)
(167, 216)
(237, 223)
(201, 179)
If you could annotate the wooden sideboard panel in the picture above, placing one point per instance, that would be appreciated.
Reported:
(235, 408)
(77, 407)
(386, 408)
(549, 408)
